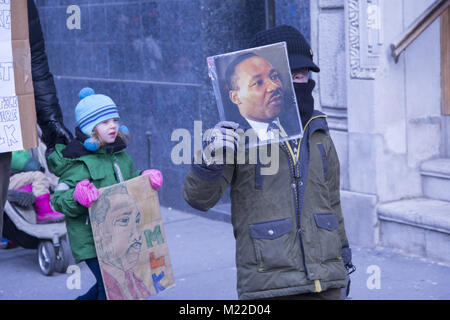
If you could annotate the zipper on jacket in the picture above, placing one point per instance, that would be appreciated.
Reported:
(297, 175)
(118, 171)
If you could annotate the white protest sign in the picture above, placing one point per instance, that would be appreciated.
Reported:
(10, 130)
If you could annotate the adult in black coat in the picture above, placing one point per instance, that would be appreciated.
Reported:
(48, 111)
(49, 115)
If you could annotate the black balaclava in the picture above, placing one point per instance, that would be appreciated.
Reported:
(305, 100)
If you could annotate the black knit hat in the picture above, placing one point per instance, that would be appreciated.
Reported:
(299, 51)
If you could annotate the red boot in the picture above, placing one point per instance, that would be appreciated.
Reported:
(45, 213)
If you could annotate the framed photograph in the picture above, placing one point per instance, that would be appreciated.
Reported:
(253, 88)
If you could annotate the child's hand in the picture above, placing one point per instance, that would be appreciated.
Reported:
(156, 178)
(85, 193)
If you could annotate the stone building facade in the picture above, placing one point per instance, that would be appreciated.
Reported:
(388, 121)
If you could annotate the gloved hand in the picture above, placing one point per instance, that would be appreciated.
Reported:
(156, 178)
(85, 193)
(54, 132)
(223, 136)
(346, 254)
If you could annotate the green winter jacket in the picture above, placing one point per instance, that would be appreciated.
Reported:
(73, 164)
(288, 226)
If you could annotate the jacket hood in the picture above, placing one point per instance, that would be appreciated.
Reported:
(317, 122)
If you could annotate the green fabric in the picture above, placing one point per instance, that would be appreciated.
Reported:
(276, 267)
(19, 159)
(23, 161)
(98, 168)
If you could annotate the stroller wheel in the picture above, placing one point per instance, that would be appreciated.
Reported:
(46, 257)
(63, 256)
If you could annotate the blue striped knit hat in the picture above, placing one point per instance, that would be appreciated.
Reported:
(93, 109)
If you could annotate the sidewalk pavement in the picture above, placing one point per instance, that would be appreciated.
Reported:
(203, 258)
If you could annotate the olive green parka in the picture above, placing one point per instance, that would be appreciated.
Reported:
(288, 226)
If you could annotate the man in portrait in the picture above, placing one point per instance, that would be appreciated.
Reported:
(255, 87)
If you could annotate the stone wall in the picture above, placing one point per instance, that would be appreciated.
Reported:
(328, 43)
(295, 13)
(385, 116)
(150, 57)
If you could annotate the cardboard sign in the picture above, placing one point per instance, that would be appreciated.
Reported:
(130, 240)
(239, 80)
(17, 106)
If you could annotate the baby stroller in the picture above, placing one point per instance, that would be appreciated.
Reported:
(20, 226)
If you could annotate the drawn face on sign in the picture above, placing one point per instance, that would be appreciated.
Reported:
(117, 214)
(124, 219)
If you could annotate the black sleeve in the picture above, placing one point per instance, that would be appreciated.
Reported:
(49, 115)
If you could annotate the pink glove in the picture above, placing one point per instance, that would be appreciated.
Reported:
(85, 193)
(156, 178)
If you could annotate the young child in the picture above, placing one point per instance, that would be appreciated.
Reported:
(95, 159)
(27, 176)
